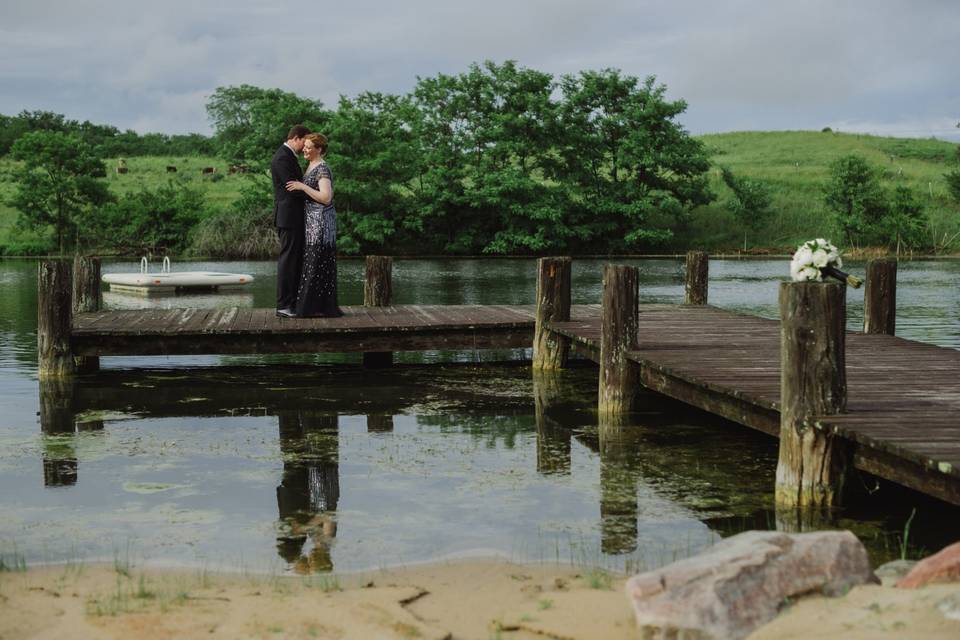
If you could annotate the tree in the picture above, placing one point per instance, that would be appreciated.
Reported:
(905, 221)
(856, 198)
(250, 122)
(953, 177)
(374, 153)
(622, 159)
(750, 203)
(152, 219)
(59, 183)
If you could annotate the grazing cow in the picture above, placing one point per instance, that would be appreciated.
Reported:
(171, 168)
(207, 170)
(121, 169)
(238, 168)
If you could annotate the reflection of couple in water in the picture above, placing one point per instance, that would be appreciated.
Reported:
(309, 491)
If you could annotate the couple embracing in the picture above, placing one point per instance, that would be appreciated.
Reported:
(306, 223)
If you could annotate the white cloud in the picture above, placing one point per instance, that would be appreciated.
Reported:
(740, 64)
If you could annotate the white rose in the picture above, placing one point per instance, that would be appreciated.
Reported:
(803, 255)
(811, 273)
(820, 258)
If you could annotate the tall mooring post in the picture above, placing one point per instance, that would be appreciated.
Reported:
(880, 297)
(86, 298)
(54, 319)
(550, 350)
(618, 335)
(813, 383)
(698, 270)
(378, 292)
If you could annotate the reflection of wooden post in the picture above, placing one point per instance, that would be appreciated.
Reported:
(698, 269)
(618, 335)
(60, 464)
(813, 382)
(553, 439)
(378, 292)
(54, 319)
(618, 487)
(86, 298)
(553, 305)
(880, 297)
(380, 423)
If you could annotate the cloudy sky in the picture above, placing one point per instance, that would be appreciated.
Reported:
(879, 66)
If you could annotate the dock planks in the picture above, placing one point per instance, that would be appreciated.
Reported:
(903, 407)
(903, 411)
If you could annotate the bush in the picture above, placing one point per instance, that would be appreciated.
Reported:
(149, 220)
(243, 231)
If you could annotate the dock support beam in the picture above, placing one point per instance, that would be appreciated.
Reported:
(86, 298)
(618, 335)
(813, 383)
(698, 269)
(378, 292)
(54, 320)
(550, 350)
(880, 297)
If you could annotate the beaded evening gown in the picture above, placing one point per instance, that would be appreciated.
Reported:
(317, 295)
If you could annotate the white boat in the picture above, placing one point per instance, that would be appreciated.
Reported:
(165, 282)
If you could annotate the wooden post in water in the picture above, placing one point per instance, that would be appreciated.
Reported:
(813, 383)
(618, 335)
(378, 292)
(86, 298)
(698, 269)
(54, 319)
(550, 350)
(880, 297)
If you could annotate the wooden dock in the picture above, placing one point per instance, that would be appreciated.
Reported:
(899, 419)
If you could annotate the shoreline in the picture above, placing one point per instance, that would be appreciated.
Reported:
(457, 599)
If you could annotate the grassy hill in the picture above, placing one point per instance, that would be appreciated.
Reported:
(793, 164)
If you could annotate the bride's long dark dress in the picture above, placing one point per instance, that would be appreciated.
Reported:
(317, 295)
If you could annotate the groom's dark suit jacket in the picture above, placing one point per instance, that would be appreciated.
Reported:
(288, 205)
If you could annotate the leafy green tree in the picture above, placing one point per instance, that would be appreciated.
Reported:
(250, 122)
(750, 203)
(953, 177)
(60, 181)
(623, 159)
(855, 196)
(905, 223)
(374, 156)
(152, 219)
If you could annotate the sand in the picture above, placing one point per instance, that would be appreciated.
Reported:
(480, 599)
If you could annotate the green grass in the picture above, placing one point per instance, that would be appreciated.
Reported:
(795, 164)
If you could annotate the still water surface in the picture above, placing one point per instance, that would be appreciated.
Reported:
(309, 463)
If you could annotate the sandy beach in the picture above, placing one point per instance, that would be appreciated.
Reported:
(476, 599)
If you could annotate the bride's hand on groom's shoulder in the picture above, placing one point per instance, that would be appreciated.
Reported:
(294, 185)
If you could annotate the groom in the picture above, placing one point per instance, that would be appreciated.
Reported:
(288, 219)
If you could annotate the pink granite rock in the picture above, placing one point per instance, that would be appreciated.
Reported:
(742, 583)
(943, 566)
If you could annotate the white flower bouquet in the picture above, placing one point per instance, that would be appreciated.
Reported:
(817, 258)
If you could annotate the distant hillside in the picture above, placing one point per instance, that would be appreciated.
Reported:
(795, 165)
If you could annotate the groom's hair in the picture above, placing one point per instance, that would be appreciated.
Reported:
(297, 131)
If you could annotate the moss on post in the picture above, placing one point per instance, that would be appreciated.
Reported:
(618, 335)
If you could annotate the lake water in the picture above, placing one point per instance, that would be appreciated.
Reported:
(311, 463)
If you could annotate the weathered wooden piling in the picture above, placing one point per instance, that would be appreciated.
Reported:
(698, 270)
(86, 298)
(618, 335)
(550, 350)
(378, 292)
(880, 297)
(54, 319)
(813, 383)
